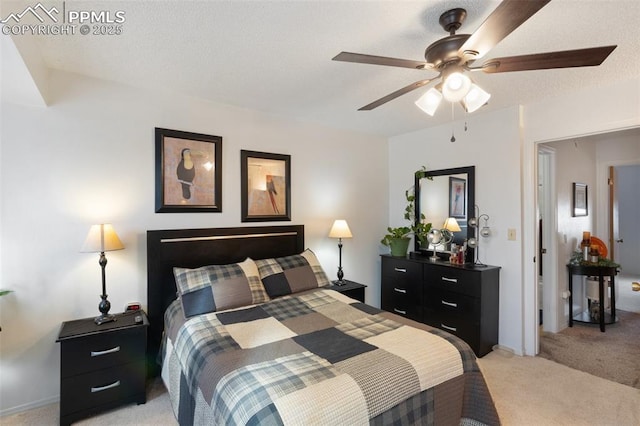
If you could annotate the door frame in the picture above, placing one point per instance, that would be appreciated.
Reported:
(551, 308)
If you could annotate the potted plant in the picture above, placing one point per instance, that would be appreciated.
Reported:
(398, 238)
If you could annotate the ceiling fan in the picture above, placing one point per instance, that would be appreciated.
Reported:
(453, 57)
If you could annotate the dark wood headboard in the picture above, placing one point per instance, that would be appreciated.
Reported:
(192, 248)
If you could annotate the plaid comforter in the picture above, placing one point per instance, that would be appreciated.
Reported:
(318, 357)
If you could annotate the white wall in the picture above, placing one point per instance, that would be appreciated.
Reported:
(89, 158)
(492, 145)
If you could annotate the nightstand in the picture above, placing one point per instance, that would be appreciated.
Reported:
(350, 288)
(101, 366)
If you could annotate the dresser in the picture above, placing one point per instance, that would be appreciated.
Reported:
(101, 366)
(460, 299)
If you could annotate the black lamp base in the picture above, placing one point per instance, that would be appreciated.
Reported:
(104, 307)
(104, 318)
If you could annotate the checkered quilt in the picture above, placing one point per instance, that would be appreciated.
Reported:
(318, 357)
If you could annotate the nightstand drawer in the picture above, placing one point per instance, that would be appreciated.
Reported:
(91, 353)
(102, 387)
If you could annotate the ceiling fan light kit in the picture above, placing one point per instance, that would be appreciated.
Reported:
(429, 101)
(475, 98)
(452, 57)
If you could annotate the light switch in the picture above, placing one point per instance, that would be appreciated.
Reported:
(511, 234)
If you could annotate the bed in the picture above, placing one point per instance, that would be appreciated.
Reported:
(280, 347)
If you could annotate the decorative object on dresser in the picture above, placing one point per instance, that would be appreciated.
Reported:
(102, 238)
(101, 367)
(460, 299)
(340, 230)
(474, 223)
(351, 289)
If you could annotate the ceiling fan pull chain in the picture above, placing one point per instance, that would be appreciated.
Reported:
(453, 137)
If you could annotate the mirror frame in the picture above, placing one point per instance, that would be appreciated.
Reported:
(471, 202)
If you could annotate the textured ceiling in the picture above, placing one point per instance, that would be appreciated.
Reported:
(275, 56)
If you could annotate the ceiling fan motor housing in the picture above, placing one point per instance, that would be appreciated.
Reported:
(445, 50)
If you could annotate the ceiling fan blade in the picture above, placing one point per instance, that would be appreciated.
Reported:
(508, 16)
(379, 60)
(565, 59)
(397, 93)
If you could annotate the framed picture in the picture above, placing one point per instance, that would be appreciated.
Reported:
(265, 182)
(580, 200)
(457, 198)
(188, 172)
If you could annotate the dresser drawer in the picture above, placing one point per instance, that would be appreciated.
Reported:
(102, 387)
(104, 350)
(460, 327)
(453, 279)
(402, 305)
(458, 305)
(402, 276)
(402, 287)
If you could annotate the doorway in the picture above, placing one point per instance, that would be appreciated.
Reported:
(624, 238)
(618, 148)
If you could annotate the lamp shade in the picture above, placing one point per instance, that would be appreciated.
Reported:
(429, 101)
(475, 98)
(101, 238)
(340, 229)
(451, 224)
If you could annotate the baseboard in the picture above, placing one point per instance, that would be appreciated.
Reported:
(29, 406)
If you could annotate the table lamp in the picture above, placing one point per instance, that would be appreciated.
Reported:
(102, 238)
(340, 230)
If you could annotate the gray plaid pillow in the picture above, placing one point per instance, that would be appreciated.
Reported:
(218, 287)
(291, 274)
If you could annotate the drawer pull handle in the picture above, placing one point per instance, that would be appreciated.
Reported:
(399, 311)
(453, 305)
(108, 351)
(403, 270)
(451, 280)
(103, 388)
(446, 327)
(400, 290)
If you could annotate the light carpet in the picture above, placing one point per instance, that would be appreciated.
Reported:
(613, 355)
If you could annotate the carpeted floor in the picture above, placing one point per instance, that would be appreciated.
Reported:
(612, 355)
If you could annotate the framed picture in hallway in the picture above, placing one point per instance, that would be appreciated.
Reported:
(580, 200)
(188, 172)
(265, 182)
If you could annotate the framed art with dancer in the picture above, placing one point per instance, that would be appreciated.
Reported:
(188, 172)
(265, 181)
(457, 197)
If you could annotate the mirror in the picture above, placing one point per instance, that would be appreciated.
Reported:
(441, 194)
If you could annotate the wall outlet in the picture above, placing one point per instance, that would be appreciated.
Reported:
(511, 234)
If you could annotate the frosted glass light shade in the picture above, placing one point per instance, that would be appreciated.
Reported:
(101, 238)
(456, 87)
(340, 229)
(429, 101)
(475, 98)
